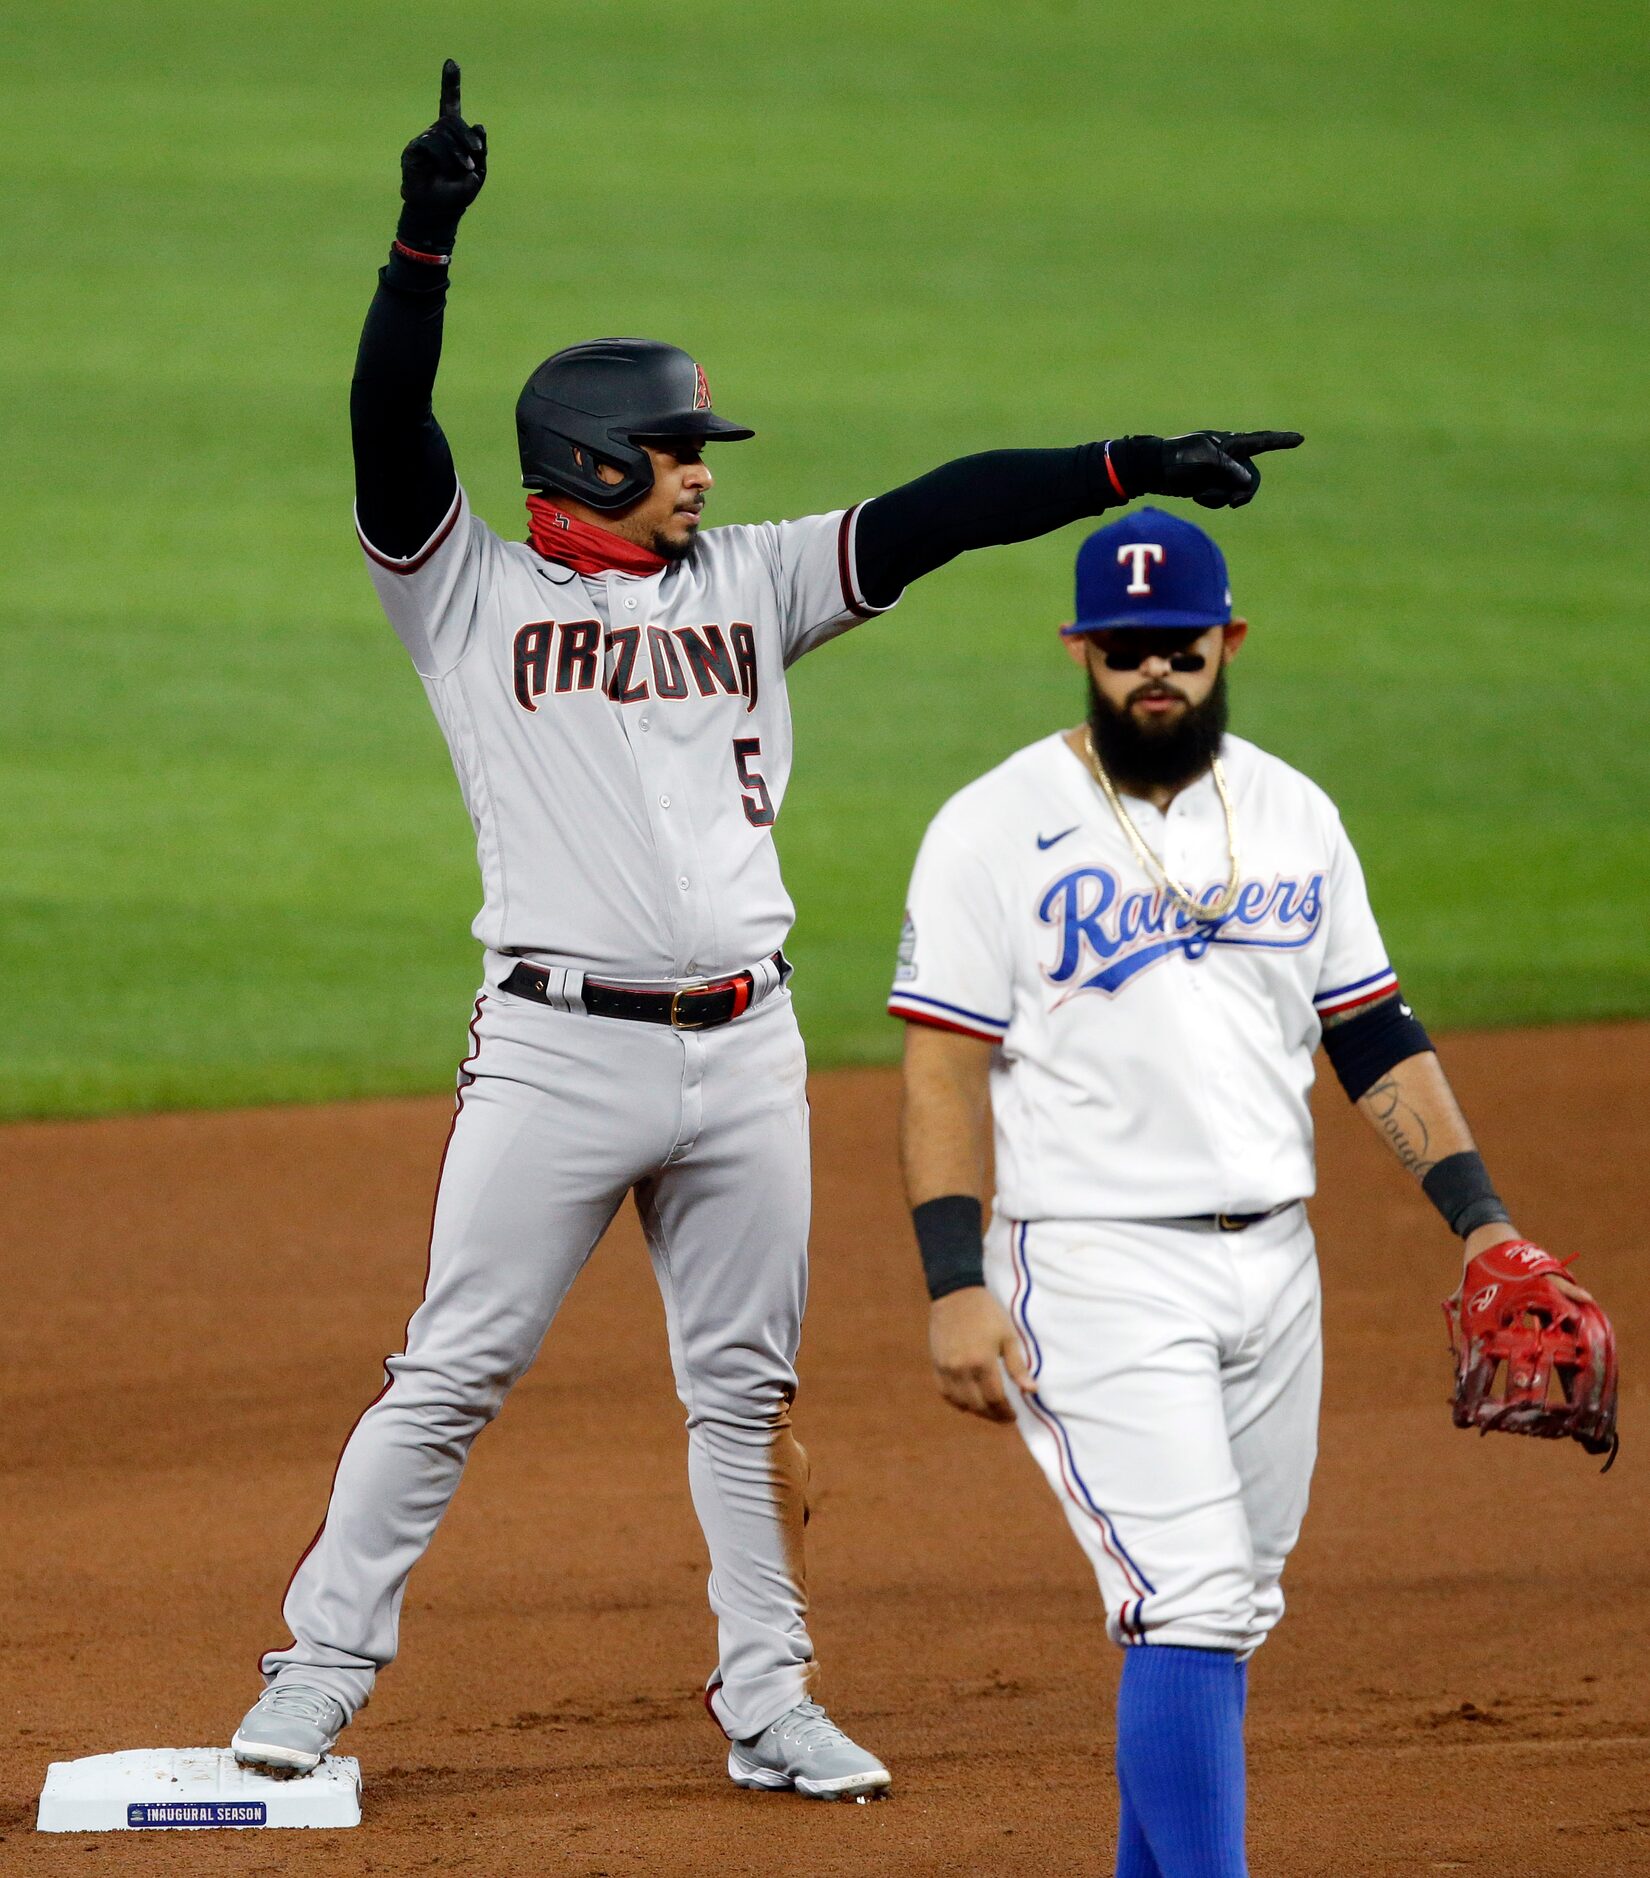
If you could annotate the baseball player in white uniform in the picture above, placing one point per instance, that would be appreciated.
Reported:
(1121, 948)
(613, 695)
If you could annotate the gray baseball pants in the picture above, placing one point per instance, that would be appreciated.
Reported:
(560, 1115)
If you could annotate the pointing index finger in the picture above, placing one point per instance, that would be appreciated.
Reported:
(1256, 442)
(449, 89)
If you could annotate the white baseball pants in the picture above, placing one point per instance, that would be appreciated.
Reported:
(1175, 1412)
(560, 1115)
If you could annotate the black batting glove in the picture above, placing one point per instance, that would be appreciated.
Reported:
(1216, 468)
(442, 171)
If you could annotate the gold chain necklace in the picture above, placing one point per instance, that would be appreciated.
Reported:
(1193, 908)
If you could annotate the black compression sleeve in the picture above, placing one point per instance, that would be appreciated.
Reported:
(404, 479)
(975, 502)
(1381, 1036)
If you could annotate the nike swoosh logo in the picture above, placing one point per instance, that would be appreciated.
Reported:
(1048, 841)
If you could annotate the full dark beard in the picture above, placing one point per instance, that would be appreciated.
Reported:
(1154, 754)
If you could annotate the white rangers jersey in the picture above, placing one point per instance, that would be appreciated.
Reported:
(623, 741)
(1147, 1066)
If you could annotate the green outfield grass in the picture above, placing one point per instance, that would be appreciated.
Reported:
(233, 860)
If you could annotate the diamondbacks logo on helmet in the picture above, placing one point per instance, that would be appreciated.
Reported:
(701, 391)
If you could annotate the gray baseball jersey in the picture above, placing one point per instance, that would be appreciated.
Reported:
(623, 741)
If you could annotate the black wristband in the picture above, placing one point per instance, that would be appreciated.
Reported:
(952, 1241)
(424, 236)
(411, 274)
(424, 258)
(1459, 1186)
(1134, 466)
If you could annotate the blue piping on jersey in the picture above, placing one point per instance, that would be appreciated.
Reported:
(1340, 991)
(960, 1010)
(1138, 1582)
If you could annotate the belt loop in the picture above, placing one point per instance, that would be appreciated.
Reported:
(566, 990)
(767, 975)
(561, 987)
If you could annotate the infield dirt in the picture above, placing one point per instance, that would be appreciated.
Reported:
(195, 1310)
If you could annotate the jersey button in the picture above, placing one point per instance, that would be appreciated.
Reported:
(683, 882)
(631, 604)
(643, 722)
(664, 802)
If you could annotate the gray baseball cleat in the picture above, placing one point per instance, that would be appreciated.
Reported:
(806, 1750)
(288, 1727)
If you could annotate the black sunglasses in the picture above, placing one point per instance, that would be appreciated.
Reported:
(1129, 651)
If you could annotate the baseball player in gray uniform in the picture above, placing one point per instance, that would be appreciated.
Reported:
(613, 694)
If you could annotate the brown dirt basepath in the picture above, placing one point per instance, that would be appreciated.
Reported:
(195, 1310)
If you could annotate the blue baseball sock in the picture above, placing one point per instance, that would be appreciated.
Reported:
(1180, 1763)
(1134, 1855)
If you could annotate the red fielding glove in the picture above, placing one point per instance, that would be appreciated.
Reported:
(1557, 1352)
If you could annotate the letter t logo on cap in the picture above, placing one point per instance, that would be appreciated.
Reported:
(1140, 552)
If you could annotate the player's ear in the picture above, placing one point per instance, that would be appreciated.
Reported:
(1076, 648)
(1234, 634)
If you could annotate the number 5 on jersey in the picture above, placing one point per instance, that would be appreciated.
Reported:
(758, 803)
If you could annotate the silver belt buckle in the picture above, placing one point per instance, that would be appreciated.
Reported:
(679, 1022)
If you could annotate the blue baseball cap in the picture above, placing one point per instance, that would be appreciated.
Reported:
(1150, 569)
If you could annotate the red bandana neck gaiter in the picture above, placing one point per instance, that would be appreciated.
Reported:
(583, 546)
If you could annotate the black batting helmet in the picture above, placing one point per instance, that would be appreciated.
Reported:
(606, 397)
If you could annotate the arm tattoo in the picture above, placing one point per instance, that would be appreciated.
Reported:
(1401, 1127)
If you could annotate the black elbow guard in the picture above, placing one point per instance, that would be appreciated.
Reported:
(1363, 1048)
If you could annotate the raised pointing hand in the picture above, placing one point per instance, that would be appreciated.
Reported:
(449, 90)
(442, 171)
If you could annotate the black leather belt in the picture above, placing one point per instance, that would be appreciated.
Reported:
(701, 1006)
(1243, 1221)
(1232, 1222)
